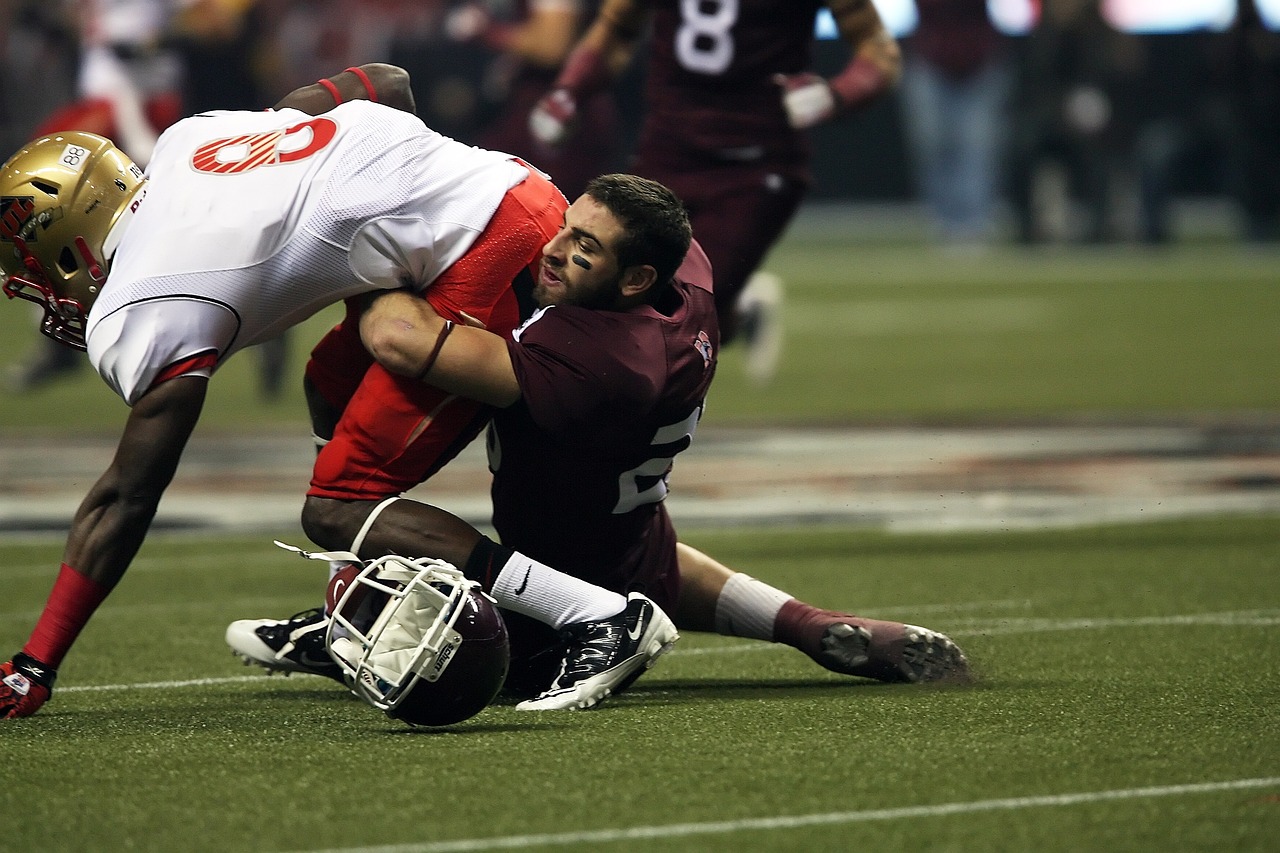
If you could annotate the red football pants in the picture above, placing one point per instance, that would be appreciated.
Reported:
(395, 432)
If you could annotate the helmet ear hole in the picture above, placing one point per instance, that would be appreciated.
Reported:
(67, 261)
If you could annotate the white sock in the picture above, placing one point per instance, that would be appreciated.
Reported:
(528, 587)
(748, 608)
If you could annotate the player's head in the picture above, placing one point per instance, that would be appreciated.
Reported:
(64, 201)
(417, 640)
(656, 229)
(621, 243)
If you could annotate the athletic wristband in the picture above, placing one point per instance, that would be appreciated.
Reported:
(331, 89)
(435, 351)
(366, 82)
(584, 72)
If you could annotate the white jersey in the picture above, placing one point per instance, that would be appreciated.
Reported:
(254, 221)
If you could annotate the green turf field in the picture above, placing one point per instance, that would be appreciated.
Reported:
(1127, 700)
(904, 333)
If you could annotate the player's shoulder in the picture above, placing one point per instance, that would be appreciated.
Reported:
(695, 270)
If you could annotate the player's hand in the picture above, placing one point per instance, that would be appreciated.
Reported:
(25, 685)
(467, 22)
(807, 98)
(552, 120)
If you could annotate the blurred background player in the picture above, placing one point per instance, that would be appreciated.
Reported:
(728, 96)
(530, 46)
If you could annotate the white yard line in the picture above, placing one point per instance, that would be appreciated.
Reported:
(679, 830)
(1237, 618)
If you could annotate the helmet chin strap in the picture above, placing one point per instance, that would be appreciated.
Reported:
(368, 522)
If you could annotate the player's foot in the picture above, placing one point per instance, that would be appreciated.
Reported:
(605, 657)
(288, 645)
(871, 648)
(759, 309)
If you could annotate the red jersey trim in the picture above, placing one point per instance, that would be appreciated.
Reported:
(202, 361)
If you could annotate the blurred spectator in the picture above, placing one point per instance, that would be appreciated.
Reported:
(955, 86)
(1178, 113)
(224, 45)
(129, 83)
(37, 65)
(127, 89)
(1067, 110)
(1251, 65)
(531, 46)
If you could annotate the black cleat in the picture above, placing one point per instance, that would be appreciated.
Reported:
(291, 645)
(605, 657)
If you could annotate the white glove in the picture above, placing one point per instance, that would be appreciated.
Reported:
(551, 121)
(807, 98)
(466, 23)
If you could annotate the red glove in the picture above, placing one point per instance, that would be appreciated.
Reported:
(25, 685)
(554, 117)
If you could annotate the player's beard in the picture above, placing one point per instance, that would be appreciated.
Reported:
(604, 296)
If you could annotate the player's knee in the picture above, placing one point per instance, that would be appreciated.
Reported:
(331, 523)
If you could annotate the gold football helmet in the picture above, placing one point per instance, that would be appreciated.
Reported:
(61, 200)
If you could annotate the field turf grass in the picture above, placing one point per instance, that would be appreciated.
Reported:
(1127, 700)
(1127, 697)
(890, 334)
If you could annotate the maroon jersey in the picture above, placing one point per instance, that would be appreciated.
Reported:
(709, 81)
(609, 398)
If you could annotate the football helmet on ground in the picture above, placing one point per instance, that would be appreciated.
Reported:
(64, 201)
(417, 640)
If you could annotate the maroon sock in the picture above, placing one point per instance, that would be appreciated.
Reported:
(73, 600)
(801, 626)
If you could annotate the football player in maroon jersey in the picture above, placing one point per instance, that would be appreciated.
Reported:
(595, 396)
(728, 96)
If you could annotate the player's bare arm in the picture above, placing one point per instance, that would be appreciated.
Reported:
(115, 515)
(615, 32)
(597, 59)
(863, 30)
(875, 66)
(546, 37)
(374, 81)
(407, 337)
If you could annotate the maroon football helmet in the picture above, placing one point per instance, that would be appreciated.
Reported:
(417, 640)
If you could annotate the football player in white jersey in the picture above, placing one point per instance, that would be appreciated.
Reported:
(245, 224)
